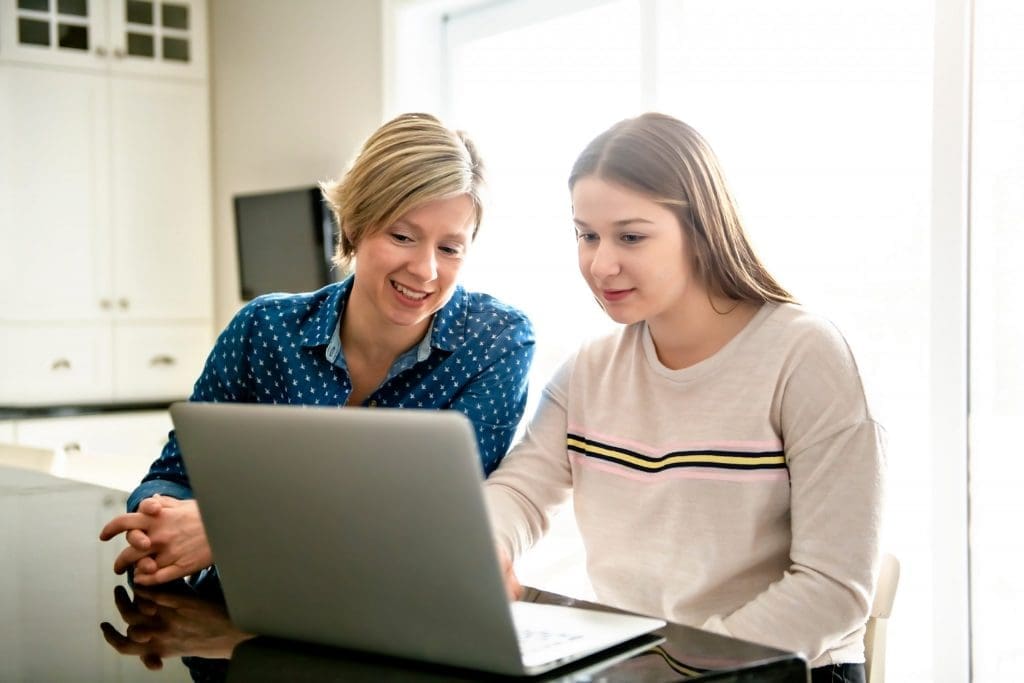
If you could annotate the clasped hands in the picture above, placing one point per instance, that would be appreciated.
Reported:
(166, 540)
(160, 624)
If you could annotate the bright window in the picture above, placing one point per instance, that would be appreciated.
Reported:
(997, 333)
(834, 122)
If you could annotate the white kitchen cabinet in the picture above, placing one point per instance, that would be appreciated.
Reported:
(6, 432)
(105, 218)
(58, 364)
(142, 37)
(138, 435)
(54, 195)
(112, 449)
(158, 362)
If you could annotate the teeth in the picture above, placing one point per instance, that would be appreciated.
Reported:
(408, 292)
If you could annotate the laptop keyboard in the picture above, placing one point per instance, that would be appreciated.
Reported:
(533, 641)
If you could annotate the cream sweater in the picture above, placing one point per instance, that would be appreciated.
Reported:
(741, 495)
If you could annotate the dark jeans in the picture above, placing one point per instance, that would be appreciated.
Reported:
(838, 673)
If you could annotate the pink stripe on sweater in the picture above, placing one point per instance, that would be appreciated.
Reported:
(646, 449)
(712, 473)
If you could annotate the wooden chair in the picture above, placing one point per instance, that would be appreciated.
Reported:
(878, 621)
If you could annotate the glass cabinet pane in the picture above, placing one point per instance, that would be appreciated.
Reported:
(140, 44)
(174, 16)
(35, 5)
(73, 36)
(33, 32)
(139, 12)
(75, 8)
(176, 49)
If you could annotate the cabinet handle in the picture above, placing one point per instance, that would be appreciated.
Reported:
(101, 51)
(72, 447)
(60, 364)
(123, 304)
(118, 52)
(105, 304)
(162, 359)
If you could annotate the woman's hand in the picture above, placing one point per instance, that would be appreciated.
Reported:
(163, 624)
(166, 540)
(512, 585)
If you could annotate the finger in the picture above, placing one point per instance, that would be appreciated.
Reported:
(141, 633)
(126, 558)
(145, 606)
(162, 575)
(151, 506)
(123, 603)
(122, 523)
(152, 661)
(161, 598)
(117, 641)
(138, 539)
(146, 565)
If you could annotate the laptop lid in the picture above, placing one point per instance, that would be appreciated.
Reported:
(355, 527)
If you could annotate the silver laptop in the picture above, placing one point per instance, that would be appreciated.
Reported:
(367, 529)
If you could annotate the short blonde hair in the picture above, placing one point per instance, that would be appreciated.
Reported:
(667, 160)
(409, 161)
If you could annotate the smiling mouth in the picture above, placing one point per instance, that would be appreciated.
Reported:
(409, 293)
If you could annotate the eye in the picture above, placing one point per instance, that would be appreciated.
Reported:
(401, 238)
(632, 238)
(586, 236)
(451, 250)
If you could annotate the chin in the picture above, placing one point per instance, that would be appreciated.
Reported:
(623, 318)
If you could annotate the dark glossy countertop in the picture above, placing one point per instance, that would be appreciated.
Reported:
(65, 616)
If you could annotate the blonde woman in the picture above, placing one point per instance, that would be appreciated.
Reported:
(725, 468)
(399, 332)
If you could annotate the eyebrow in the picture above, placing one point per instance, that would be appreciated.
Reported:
(458, 236)
(618, 224)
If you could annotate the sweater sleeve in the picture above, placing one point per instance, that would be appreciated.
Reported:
(535, 477)
(835, 455)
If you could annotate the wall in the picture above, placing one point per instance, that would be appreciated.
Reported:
(295, 88)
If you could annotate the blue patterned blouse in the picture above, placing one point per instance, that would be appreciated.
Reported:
(285, 348)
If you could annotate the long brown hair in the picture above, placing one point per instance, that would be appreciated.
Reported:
(667, 160)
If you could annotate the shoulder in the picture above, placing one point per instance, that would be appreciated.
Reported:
(487, 313)
(803, 333)
(817, 359)
(288, 306)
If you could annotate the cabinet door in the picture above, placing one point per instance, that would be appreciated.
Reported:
(62, 32)
(6, 431)
(161, 199)
(159, 362)
(113, 450)
(165, 38)
(55, 261)
(55, 364)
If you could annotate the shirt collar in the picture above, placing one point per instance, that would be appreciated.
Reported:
(447, 330)
(321, 325)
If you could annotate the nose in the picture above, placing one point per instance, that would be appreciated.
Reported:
(604, 261)
(423, 264)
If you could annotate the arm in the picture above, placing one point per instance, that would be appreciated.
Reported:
(835, 455)
(495, 398)
(165, 534)
(536, 476)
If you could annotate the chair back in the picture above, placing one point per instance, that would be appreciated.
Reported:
(878, 621)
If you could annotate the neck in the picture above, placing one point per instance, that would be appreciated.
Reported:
(698, 328)
(367, 335)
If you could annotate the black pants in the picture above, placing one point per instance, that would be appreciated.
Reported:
(838, 673)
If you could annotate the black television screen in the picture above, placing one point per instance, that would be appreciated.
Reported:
(285, 241)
